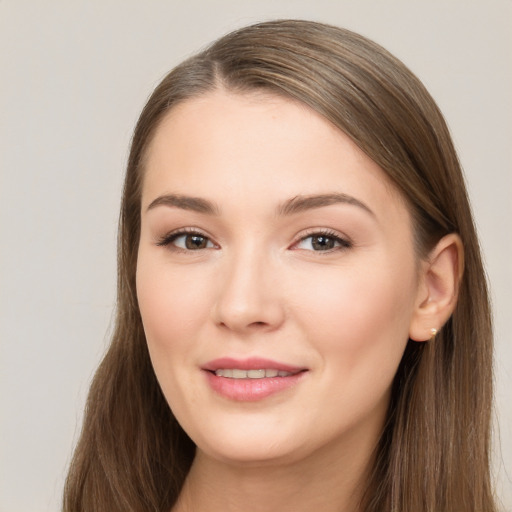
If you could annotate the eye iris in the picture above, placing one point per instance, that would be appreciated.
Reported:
(196, 242)
(322, 243)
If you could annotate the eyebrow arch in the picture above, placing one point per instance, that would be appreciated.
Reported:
(302, 203)
(195, 204)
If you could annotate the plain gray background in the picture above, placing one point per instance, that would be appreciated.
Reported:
(73, 78)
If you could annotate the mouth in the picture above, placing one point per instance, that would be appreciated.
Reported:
(251, 379)
(237, 373)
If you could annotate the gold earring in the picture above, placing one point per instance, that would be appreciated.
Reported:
(433, 333)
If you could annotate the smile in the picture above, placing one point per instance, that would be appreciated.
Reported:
(234, 373)
(252, 379)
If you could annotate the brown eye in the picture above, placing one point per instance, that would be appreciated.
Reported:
(319, 242)
(322, 243)
(186, 241)
(195, 241)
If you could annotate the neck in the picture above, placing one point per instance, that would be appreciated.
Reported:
(324, 481)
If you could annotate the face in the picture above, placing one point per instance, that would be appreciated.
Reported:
(276, 279)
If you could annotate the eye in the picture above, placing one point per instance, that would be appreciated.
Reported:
(186, 241)
(322, 242)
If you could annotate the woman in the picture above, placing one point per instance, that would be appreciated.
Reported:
(303, 318)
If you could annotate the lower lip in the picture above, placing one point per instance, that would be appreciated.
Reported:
(251, 390)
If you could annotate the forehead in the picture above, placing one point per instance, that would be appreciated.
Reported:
(257, 143)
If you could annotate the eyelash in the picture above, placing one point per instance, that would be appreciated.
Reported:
(342, 243)
(168, 239)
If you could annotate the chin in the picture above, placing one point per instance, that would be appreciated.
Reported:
(255, 455)
(243, 444)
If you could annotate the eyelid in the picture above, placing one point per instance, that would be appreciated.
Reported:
(345, 241)
(169, 237)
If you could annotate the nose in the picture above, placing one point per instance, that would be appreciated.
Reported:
(248, 298)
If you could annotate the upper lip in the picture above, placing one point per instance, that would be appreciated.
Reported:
(251, 363)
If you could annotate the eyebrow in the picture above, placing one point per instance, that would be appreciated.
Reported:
(302, 203)
(196, 204)
(294, 205)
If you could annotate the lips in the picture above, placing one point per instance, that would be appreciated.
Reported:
(251, 379)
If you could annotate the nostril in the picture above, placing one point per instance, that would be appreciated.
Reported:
(240, 309)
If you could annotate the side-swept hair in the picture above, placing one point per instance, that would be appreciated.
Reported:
(433, 455)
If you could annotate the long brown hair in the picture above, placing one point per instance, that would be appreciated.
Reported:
(434, 451)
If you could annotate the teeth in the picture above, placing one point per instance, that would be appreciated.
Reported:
(256, 374)
(250, 374)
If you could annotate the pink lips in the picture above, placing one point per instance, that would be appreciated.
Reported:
(247, 389)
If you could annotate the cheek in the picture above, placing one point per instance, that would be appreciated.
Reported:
(360, 321)
(172, 306)
(173, 313)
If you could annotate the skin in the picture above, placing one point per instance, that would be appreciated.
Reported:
(260, 286)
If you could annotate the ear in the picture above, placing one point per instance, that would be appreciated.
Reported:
(438, 288)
